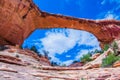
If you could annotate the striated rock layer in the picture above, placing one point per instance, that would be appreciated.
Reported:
(17, 64)
(16, 56)
(19, 18)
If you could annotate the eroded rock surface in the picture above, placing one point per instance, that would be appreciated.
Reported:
(17, 64)
(19, 18)
(21, 57)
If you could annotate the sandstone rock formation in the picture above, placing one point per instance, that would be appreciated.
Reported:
(17, 64)
(77, 64)
(98, 61)
(94, 56)
(21, 57)
(116, 64)
(19, 18)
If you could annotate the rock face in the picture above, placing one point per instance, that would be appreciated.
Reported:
(19, 18)
(116, 64)
(94, 56)
(98, 61)
(17, 64)
(21, 57)
(77, 64)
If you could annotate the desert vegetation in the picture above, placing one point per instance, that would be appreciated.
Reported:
(109, 60)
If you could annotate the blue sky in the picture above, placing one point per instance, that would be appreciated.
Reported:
(66, 45)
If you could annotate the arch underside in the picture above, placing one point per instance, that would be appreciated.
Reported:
(19, 18)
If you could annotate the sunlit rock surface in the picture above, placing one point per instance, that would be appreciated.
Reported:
(17, 64)
(19, 18)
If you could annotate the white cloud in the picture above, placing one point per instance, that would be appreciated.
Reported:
(81, 53)
(68, 56)
(59, 41)
(88, 39)
(113, 12)
(67, 62)
(110, 15)
(110, 1)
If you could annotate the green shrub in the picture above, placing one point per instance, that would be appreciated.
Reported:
(75, 61)
(85, 58)
(54, 63)
(109, 60)
(82, 79)
(106, 47)
(63, 65)
(98, 51)
(115, 45)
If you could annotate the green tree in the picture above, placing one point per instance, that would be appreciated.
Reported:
(54, 64)
(33, 48)
(63, 65)
(46, 54)
(85, 58)
(98, 51)
(75, 61)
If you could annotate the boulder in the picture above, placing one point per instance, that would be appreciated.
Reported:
(94, 56)
(116, 64)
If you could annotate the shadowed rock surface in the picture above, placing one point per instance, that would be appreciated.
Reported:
(19, 18)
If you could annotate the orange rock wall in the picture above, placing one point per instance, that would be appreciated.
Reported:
(19, 18)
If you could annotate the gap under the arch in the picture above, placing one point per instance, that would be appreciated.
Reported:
(64, 46)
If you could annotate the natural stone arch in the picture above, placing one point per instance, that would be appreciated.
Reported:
(19, 18)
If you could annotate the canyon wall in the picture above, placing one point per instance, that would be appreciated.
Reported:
(19, 18)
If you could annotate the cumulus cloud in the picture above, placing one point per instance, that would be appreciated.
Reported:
(59, 41)
(110, 15)
(81, 53)
(67, 62)
(88, 39)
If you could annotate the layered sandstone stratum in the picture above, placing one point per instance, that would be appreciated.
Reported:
(17, 64)
(19, 18)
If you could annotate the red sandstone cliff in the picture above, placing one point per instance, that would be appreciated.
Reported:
(19, 18)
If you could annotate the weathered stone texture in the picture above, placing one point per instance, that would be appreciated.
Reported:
(19, 18)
